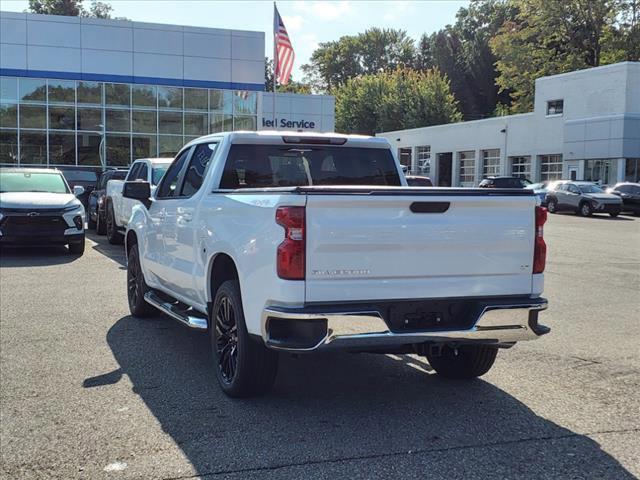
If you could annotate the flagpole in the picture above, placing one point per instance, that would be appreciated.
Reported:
(275, 63)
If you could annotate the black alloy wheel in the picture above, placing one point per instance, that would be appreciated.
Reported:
(226, 339)
(136, 286)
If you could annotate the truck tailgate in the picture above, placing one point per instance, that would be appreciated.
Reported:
(415, 245)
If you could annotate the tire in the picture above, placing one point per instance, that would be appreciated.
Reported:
(77, 248)
(585, 209)
(91, 224)
(113, 235)
(244, 367)
(614, 214)
(136, 286)
(552, 206)
(101, 227)
(463, 362)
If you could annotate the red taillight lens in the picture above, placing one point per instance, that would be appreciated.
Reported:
(291, 251)
(539, 247)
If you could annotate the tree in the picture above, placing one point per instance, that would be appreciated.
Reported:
(376, 50)
(291, 87)
(71, 8)
(399, 99)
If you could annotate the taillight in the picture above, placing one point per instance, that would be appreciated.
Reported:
(291, 251)
(539, 247)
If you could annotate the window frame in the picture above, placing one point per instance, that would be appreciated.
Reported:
(188, 164)
(135, 166)
(555, 112)
(180, 176)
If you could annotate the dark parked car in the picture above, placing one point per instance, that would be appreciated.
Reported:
(86, 177)
(95, 211)
(504, 182)
(583, 198)
(630, 195)
(419, 181)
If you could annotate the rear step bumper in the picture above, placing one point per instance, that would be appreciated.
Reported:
(499, 322)
(191, 319)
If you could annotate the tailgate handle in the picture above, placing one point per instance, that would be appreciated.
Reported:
(429, 207)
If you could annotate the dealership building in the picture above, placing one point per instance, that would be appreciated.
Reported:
(93, 92)
(585, 125)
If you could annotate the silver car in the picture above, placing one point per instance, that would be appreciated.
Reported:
(583, 198)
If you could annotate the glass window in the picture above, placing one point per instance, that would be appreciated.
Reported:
(8, 146)
(117, 94)
(169, 183)
(118, 150)
(245, 102)
(169, 145)
(555, 107)
(32, 90)
(632, 170)
(194, 175)
(601, 171)
(90, 119)
(9, 89)
(404, 156)
(33, 148)
(62, 148)
(90, 93)
(195, 124)
(8, 115)
(170, 122)
(144, 146)
(244, 123)
(117, 120)
(89, 149)
(424, 159)
(62, 118)
(157, 172)
(550, 167)
(143, 174)
(196, 99)
(62, 91)
(490, 162)
(144, 121)
(33, 182)
(33, 116)
(221, 101)
(467, 166)
(170, 97)
(144, 96)
(220, 123)
(521, 166)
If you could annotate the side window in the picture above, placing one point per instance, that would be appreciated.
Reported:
(194, 175)
(169, 183)
(133, 172)
(143, 173)
(573, 189)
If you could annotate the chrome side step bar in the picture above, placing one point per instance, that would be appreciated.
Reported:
(191, 319)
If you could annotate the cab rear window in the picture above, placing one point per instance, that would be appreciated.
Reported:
(264, 166)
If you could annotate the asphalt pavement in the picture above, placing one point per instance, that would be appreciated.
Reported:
(87, 391)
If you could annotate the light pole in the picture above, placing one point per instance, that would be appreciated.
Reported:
(101, 147)
(506, 134)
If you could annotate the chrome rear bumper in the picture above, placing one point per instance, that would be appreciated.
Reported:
(500, 324)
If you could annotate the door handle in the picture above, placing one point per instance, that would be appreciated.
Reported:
(186, 217)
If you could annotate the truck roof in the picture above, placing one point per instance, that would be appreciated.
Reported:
(154, 161)
(281, 137)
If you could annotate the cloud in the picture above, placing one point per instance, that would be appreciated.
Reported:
(324, 10)
(293, 22)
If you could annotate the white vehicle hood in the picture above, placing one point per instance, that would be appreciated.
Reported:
(37, 200)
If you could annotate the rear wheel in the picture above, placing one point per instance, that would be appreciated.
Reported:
(552, 206)
(463, 362)
(101, 227)
(136, 286)
(585, 209)
(244, 366)
(113, 235)
(614, 214)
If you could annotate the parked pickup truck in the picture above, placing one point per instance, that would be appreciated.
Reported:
(118, 208)
(294, 242)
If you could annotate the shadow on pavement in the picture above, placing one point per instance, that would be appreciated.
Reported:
(35, 256)
(326, 408)
(101, 245)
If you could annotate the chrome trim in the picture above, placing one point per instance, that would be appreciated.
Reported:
(497, 324)
(191, 321)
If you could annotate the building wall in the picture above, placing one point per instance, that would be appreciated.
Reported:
(599, 127)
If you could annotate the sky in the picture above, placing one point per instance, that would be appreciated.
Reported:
(308, 22)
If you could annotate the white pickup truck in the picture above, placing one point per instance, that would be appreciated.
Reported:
(299, 243)
(118, 208)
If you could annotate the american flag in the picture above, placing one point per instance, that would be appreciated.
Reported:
(284, 50)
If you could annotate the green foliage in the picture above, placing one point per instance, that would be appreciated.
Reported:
(291, 87)
(72, 8)
(399, 99)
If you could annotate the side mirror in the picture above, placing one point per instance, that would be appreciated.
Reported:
(78, 190)
(138, 191)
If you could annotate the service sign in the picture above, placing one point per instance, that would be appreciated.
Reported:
(281, 123)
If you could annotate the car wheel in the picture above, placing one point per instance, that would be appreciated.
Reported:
(77, 248)
(113, 235)
(463, 362)
(91, 224)
(552, 206)
(101, 227)
(136, 286)
(244, 366)
(614, 214)
(585, 209)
